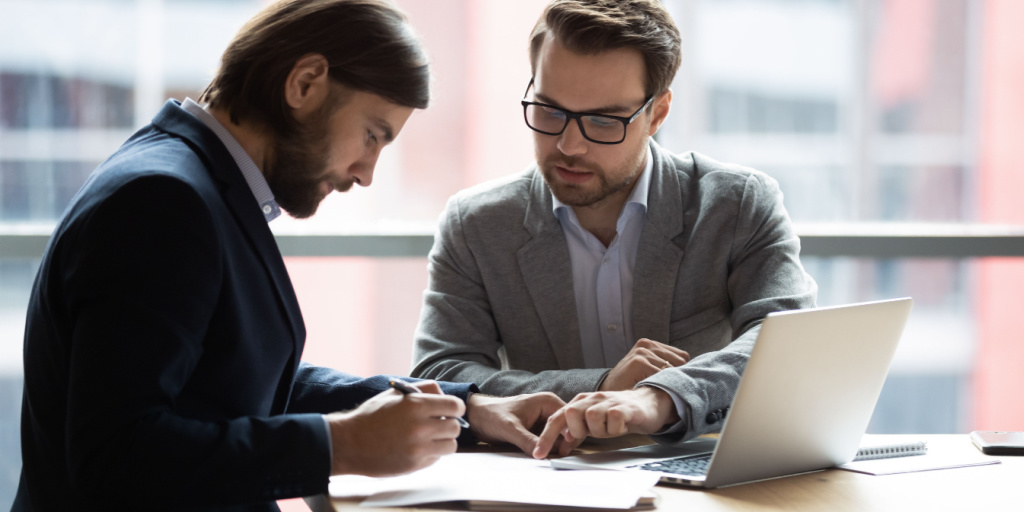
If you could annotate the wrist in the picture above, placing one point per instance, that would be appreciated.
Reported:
(338, 427)
(664, 406)
(475, 404)
(601, 381)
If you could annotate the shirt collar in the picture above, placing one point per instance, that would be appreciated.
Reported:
(253, 177)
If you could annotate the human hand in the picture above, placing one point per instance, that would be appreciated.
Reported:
(646, 358)
(644, 410)
(391, 433)
(514, 419)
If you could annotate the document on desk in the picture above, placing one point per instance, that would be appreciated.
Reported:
(487, 480)
(932, 459)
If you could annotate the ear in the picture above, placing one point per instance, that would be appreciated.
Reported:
(307, 85)
(662, 104)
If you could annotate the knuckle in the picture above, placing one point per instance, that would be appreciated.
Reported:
(572, 414)
(451, 429)
(457, 407)
(582, 396)
(450, 446)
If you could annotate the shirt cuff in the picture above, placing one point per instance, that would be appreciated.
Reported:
(680, 406)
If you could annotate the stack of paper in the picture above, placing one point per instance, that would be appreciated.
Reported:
(501, 481)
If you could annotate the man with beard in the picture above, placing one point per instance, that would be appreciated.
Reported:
(163, 336)
(613, 273)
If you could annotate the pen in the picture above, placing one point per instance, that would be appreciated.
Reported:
(406, 389)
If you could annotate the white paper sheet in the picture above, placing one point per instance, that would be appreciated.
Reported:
(501, 477)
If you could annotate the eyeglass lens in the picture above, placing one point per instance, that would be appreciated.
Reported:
(553, 121)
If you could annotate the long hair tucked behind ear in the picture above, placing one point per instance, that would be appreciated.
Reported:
(368, 44)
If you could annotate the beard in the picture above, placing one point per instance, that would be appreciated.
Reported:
(299, 162)
(600, 187)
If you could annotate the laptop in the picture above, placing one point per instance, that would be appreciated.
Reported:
(802, 405)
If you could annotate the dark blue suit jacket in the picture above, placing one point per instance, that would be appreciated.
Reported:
(162, 344)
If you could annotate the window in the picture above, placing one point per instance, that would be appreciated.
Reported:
(893, 127)
(871, 114)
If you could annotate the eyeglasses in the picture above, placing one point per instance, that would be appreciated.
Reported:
(599, 128)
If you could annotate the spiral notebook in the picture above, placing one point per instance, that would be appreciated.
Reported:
(888, 451)
(885, 455)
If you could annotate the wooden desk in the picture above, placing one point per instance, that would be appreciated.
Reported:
(985, 488)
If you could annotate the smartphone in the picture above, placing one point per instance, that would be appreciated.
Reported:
(998, 443)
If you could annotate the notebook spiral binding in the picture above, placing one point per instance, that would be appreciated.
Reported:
(891, 450)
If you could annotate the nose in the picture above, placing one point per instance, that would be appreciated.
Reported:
(571, 141)
(362, 170)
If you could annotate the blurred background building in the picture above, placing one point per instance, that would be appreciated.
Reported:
(898, 119)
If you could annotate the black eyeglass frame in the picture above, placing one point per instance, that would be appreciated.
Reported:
(570, 115)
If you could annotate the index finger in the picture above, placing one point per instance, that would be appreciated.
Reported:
(675, 358)
(554, 428)
(674, 355)
(428, 386)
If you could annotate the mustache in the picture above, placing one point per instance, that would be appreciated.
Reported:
(570, 162)
(343, 186)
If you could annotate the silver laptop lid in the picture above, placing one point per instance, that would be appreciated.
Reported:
(808, 390)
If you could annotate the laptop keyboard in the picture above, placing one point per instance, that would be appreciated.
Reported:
(688, 465)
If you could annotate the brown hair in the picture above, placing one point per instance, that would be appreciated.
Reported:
(368, 44)
(592, 26)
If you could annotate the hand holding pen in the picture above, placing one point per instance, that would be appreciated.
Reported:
(407, 389)
(392, 434)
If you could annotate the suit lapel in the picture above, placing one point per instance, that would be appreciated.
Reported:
(546, 269)
(239, 199)
(659, 256)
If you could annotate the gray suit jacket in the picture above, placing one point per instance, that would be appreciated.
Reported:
(717, 253)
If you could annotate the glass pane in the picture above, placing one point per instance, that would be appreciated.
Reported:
(918, 65)
(360, 313)
(951, 373)
(903, 111)
(16, 277)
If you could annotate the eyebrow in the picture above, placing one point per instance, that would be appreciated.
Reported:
(384, 126)
(607, 109)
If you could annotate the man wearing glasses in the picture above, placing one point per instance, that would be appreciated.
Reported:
(612, 272)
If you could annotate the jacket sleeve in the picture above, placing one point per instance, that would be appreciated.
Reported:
(765, 276)
(458, 338)
(324, 390)
(142, 273)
